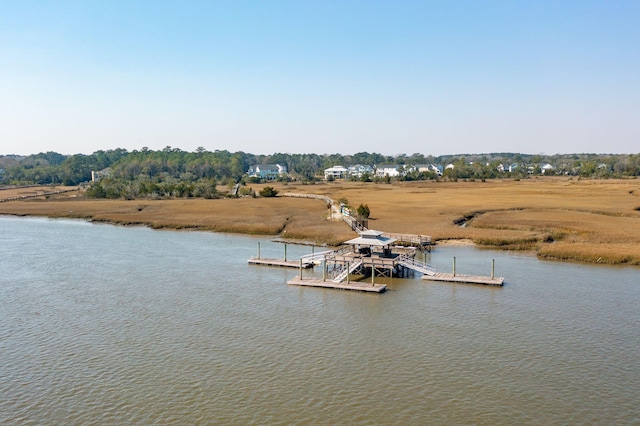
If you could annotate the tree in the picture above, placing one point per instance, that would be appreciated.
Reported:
(268, 191)
(363, 211)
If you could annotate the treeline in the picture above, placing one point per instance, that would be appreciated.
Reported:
(172, 172)
(168, 165)
(51, 168)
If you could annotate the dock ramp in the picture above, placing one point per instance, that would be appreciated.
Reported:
(416, 265)
(343, 274)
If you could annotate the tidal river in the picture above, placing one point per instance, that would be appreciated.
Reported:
(110, 325)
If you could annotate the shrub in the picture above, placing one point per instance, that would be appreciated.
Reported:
(268, 191)
(363, 211)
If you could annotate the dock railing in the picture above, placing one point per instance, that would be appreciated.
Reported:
(315, 257)
(411, 239)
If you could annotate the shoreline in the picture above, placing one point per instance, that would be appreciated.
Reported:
(592, 222)
(452, 242)
(455, 242)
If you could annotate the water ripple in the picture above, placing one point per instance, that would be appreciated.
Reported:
(107, 325)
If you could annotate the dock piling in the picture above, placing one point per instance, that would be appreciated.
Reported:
(493, 268)
(454, 266)
(258, 250)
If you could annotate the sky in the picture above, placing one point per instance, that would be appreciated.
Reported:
(328, 76)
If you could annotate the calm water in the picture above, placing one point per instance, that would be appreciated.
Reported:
(111, 325)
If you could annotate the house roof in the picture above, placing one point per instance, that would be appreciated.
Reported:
(266, 167)
(336, 169)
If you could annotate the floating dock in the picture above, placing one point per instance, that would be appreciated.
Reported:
(353, 285)
(467, 279)
(279, 262)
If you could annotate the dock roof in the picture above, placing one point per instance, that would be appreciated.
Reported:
(372, 237)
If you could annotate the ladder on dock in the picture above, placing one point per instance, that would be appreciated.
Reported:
(343, 274)
(411, 263)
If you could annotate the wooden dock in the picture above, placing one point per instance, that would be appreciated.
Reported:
(353, 285)
(467, 279)
(279, 262)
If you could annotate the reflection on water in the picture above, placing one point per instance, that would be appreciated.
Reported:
(103, 324)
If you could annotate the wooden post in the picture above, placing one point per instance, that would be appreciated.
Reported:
(285, 252)
(493, 268)
(258, 250)
(313, 249)
(454, 266)
(348, 267)
(373, 275)
(324, 270)
(301, 269)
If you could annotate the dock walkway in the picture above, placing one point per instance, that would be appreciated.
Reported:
(279, 262)
(467, 279)
(415, 240)
(352, 285)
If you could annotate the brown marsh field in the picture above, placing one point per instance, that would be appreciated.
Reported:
(595, 221)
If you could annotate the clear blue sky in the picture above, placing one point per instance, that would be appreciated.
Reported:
(432, 77)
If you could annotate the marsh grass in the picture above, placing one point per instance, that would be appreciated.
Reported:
(587, 220)
(287, 217)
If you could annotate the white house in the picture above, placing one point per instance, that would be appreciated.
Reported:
(546, 168)
(390, 170)
(358, 170)
(336, 172)
(426, 168)
(97, 175)
(267, 171)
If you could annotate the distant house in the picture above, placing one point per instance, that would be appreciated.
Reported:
(267, 171)
(449, 167)
(358, 170)
(508, 168)
(546, 168)
(429, 168)
(336, 172)
(390, 170)
(97, 175)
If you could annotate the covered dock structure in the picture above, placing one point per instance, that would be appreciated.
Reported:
(370, 254)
